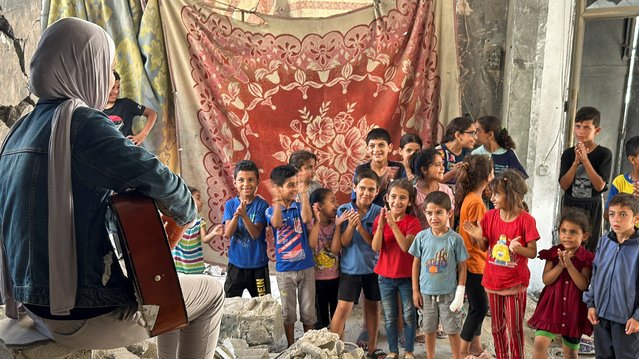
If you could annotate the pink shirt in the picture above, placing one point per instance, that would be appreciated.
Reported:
(326, 263)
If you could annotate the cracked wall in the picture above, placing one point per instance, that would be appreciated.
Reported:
(481, 34)
(19, 35)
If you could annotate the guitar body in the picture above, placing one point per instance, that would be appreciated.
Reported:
(149, 262)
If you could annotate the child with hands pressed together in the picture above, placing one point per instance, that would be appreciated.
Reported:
(325, 237)
(245, 226)
(294, 264)
(509, 235)
(394, 230)
(585, 170)
(613, 296)
(305, 162)
(358, 259)
(439, 274)
(560, 310)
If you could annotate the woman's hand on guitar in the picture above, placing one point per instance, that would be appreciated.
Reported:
(173, 231)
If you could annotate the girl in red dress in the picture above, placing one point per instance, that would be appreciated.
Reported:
(560, 310)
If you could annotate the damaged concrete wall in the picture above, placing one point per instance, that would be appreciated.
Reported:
(481, 34)
(19, 35)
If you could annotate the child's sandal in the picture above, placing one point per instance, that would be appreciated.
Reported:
(377, 354)
(408, 356)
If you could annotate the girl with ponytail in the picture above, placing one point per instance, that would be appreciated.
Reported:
(497, 143)
(458, 141)
(473, 177)
(509, 235)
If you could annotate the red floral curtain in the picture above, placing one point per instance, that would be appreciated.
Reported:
(262, 91)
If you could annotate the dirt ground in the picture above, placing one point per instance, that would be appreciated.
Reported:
(442, 351)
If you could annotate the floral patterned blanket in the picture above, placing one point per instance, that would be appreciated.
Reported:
(260, 90)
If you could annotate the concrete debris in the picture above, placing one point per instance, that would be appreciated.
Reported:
(321, 344)
(239, 349)
(258, 321)
(145, 349)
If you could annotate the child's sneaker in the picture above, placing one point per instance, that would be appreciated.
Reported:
(586, 346)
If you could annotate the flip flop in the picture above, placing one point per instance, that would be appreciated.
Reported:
(377, 354)
(362, 340)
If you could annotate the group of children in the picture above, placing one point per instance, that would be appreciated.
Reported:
(446, 224)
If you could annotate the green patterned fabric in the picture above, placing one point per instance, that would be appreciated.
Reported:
(140, 59)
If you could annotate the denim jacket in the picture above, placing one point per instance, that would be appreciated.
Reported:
(614, 285)
(102, 160)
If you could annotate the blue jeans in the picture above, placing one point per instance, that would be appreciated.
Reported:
(389, 288)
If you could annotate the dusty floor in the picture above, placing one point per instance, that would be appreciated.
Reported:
(442, 351)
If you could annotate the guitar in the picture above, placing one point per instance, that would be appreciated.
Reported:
(143, 250)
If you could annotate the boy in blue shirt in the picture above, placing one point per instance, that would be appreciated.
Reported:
(613, 296)
(294, 263)
(244, 223)
(358, 259)
(439, 274)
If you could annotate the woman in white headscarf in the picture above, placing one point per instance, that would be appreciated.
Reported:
(60, 164)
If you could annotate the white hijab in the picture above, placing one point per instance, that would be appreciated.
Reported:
(73, 61)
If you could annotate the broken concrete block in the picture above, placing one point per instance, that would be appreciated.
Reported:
(256, 320)
(138, 349)
(321, 344)
(238, 349)
(251, 354)
(145, 349)
(234, 344)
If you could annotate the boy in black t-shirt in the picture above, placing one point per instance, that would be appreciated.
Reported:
(122, 112)
(585, 170)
